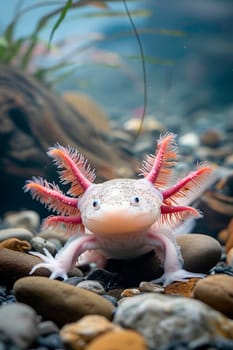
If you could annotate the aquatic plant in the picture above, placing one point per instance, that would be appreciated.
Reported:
(24, 52)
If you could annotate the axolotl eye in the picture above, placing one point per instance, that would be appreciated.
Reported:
(96, 203)
(135, 200)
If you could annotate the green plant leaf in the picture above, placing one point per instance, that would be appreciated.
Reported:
(60, 19)
(139, 13)
(3, 42)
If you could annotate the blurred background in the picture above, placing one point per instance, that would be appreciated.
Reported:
(90, 57)
(187, 47)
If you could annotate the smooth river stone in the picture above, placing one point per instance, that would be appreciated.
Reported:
(217, 292)
(16, 244)
(60, 302)
(20, 323)
(20, 233)
(77, 335)
(28, 219)
(124, 339)
(14, 265)
(200, 252)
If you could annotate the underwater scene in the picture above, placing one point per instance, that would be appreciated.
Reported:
(116, 159)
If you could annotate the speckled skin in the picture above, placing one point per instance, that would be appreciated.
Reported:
(122, 218)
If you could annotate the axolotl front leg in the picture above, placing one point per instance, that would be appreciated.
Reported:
(66, 258)
(169, 253)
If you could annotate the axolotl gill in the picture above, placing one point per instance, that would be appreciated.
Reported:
(119, 218)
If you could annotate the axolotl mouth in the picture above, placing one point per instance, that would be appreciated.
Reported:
(120, 206)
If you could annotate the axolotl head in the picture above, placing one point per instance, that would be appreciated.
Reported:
(120, 206)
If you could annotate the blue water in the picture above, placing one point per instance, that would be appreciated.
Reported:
(193, 71)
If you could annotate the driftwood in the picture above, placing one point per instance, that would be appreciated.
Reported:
(32, 119)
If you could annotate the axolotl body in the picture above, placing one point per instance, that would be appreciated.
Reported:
(119, 218)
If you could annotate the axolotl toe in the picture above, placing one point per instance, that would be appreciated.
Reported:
(119, 218)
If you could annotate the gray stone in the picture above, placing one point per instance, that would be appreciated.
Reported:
(164, 319)
(20, 233)
(19, 323)
(39, 243)
(28, 219)
(93, 286)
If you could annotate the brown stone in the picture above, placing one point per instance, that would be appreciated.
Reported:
(14, 265)
(16, 244)
(77, 335)
(223, 235)
(216, 291)
(124, 339)
(182, 288)
(130, 292)
(211, 138)
(200, 252)
(217, 205)
(229, 243)
(230, 257)
(85, 105)
(60, 302)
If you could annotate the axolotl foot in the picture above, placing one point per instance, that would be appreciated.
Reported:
(50, 263)
(179, 275)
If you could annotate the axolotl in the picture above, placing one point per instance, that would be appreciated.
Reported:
(119, 218)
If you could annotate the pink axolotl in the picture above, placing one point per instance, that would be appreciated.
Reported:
(119, 218)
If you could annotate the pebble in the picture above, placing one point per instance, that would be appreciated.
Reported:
(50, 234)
(216, 291)
(28, 219)
(51, 342)
(229, 242)
(130, 292)
(211, 138)
(123, 339)
(73, 281)
(150, 287)
(47, 327)
(6, 296)
(77, 335)
(93, 286)
(20, 233)
(163, 319)
(16, 244)
(110, 298)
(190, 140)
(19, 323)
(151, 124)
(60, 302)
(223, 268)
(115, 293)
(230, 257)
(200, 252)
(182, 288)
(14, 265)
(39, 243)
